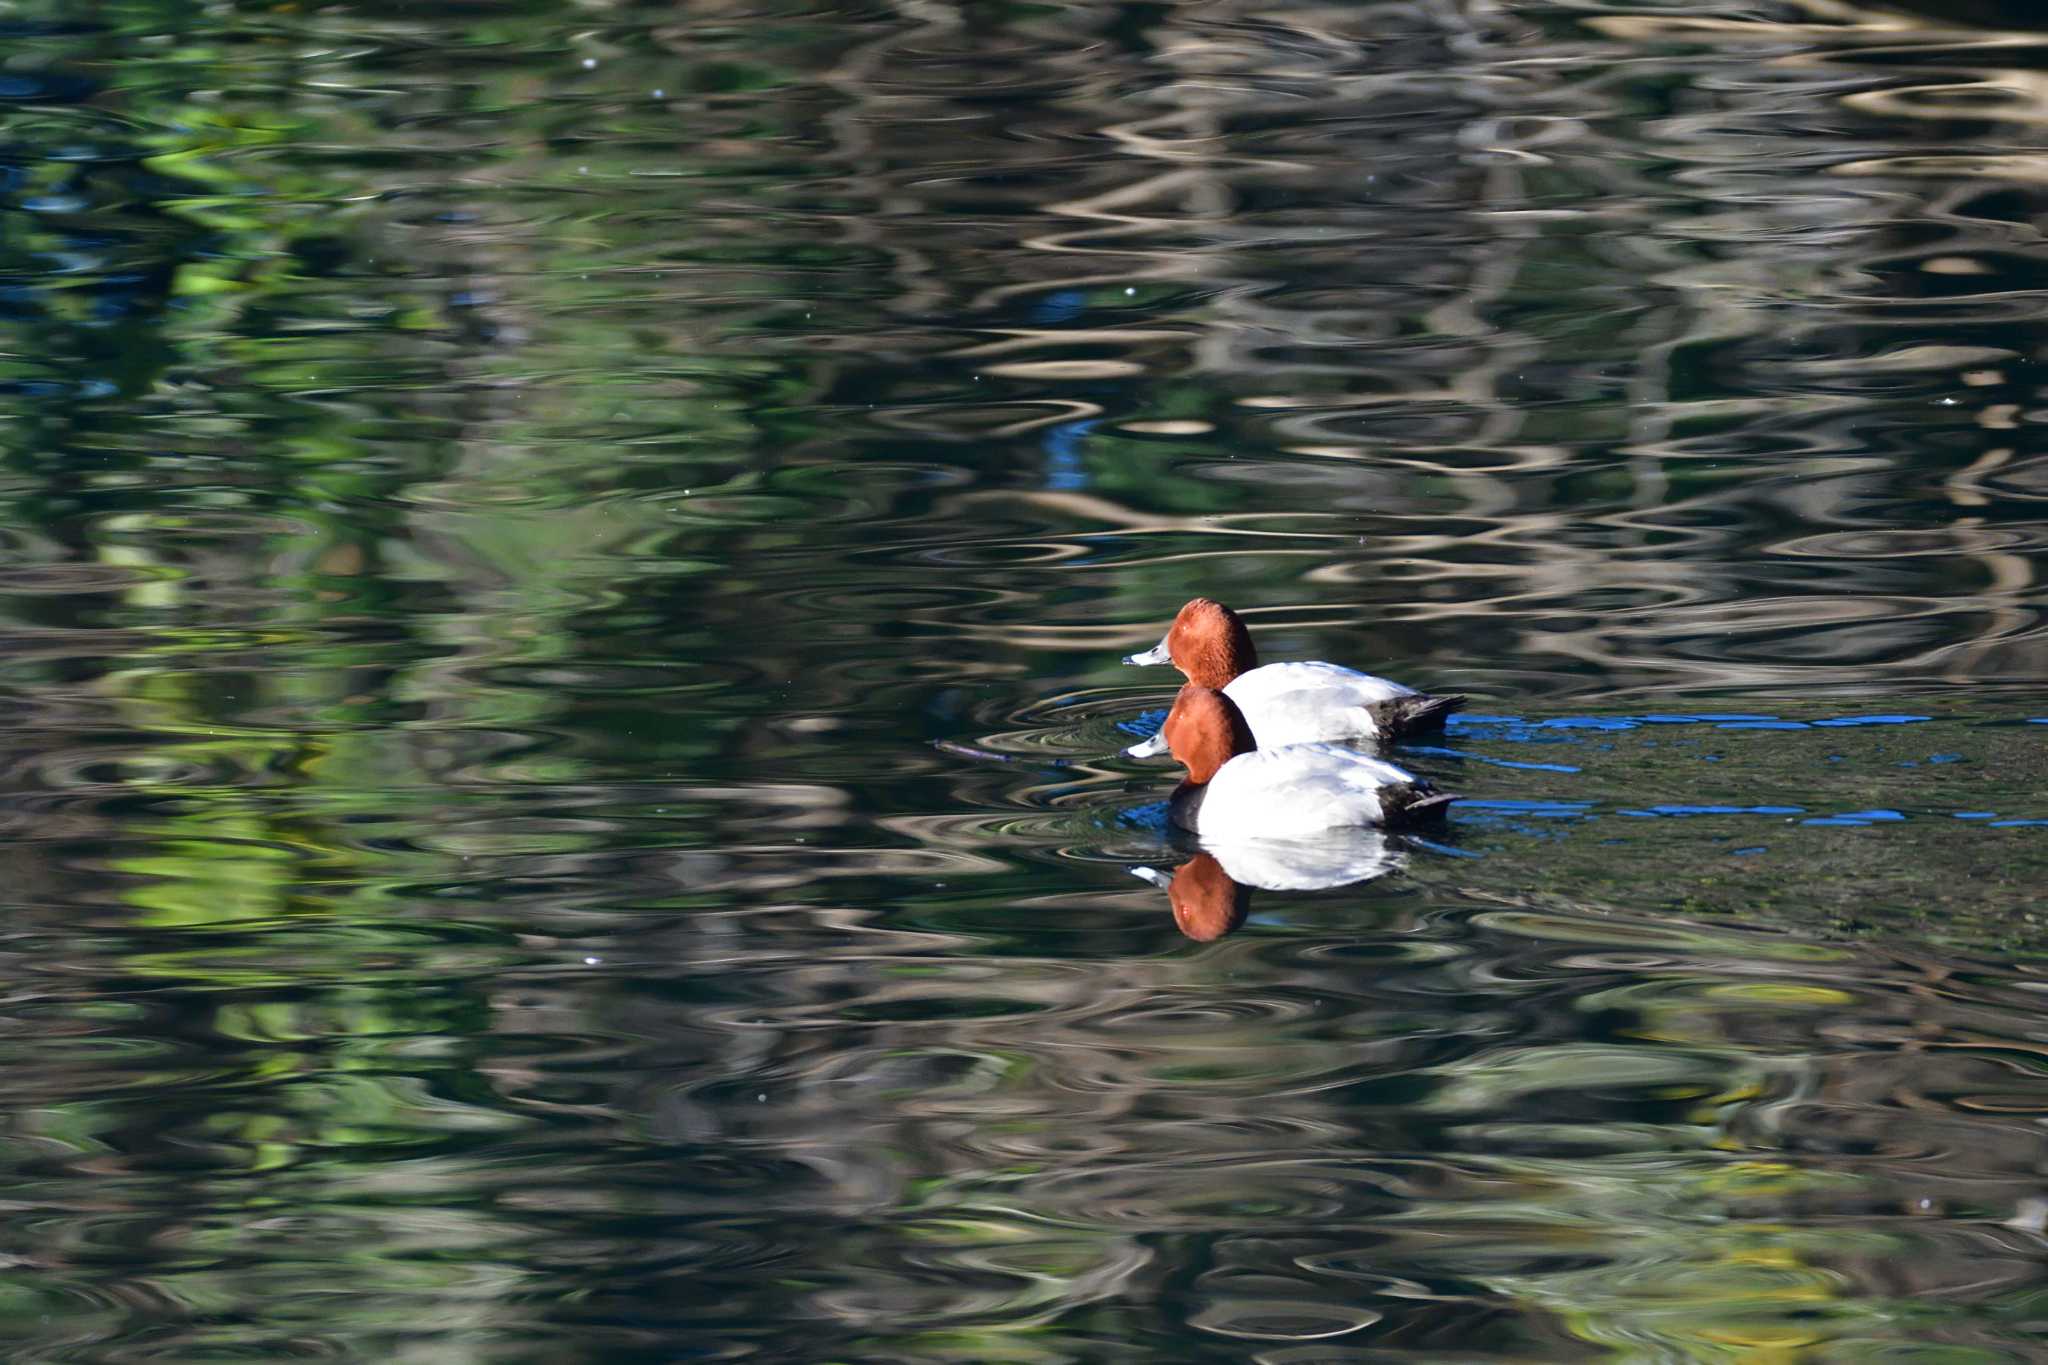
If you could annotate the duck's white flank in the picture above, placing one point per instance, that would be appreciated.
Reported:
(1278, 793)
(1300, 703)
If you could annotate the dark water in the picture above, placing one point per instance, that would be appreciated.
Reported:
(501, 501)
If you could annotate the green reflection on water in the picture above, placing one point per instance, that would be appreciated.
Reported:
(490, 543)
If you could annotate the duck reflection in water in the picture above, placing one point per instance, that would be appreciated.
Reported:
(1211, 893)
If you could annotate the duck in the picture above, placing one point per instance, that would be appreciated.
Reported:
(1289, 703)
(1211, 893)
(1236, 790)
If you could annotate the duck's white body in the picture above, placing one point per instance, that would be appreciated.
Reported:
(1285, 792)
(1305, 703)
(1317, 702)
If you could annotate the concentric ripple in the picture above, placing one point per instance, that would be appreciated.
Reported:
(562, 589)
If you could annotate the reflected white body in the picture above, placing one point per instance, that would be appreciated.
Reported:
(1337, 858)
(1287, 792)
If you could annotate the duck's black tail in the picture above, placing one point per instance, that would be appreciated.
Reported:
(1417, 714)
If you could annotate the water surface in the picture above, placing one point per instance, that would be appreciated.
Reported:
(517, 518)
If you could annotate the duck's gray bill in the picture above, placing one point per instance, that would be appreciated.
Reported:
(1158, 654)
(1147, 748)
(1152, 875)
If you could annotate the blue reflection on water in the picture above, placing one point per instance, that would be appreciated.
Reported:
(1064, 469)
(1857, 817)
(1145, 724)
(1439, 751)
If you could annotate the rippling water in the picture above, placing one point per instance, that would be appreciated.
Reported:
(562, 575)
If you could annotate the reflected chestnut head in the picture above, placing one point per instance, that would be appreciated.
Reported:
(1207, 904)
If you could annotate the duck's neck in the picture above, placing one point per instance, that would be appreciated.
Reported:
(1184, 807)
(1221, 663)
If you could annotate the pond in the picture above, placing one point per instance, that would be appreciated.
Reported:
(565, 568)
